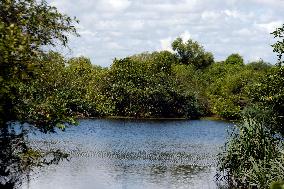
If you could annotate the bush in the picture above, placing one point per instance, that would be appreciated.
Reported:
(253, 157)
(269, 93)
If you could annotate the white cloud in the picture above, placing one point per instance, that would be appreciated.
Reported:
(107, 24)
(118, 5)
(274, 3)
(115, 34)
(166, 44)
(244, 32)
(185, 36)
(232, 13)
(114, 46)
(182, 6)
(118, 28)
(136, 25)
(210, 15)
(87, 33)
(270, 26)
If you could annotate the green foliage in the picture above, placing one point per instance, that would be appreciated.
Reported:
(25, 27)
(228, 85)
(235, 59)
(269, 94)
(253, 157)
(28, 94)
(191, 81)
(190, 52)
(87, 88)
(278, 47)
(187, 84)
(144, 86)
(277, 185)
(259, 65)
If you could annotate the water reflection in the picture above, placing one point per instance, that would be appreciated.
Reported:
(11, 170)
(18, 158)
(133, 154)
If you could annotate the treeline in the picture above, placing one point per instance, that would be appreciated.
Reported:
(186, 83)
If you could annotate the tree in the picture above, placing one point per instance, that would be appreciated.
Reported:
(259, 65)
(269, 93)
(253, 157)
(26, 27)
(84, 89)
(144, 85)
(190, 52)
(278, 47)
(235, 59)
(228, 86)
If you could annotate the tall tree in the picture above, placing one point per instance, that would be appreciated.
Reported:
(235, 59)
(26, 26)
(190, 52)
(270, 91)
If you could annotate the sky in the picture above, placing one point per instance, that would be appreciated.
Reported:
(118, 28)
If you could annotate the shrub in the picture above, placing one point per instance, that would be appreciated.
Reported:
(253, 157)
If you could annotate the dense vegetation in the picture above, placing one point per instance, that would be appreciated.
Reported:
(48, 90)
(26, 27)
(254, 155)
(157, 84)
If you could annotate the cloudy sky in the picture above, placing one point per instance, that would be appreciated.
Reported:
(118, 28)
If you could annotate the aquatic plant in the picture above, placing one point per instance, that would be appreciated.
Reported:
(253, 157)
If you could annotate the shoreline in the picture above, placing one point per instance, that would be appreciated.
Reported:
(212, 118)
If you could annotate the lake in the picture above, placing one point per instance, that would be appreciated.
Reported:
(133, 154)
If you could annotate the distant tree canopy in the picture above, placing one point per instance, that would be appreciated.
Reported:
(235, 59)
(259, 65)
(190, 52)
(143, 86)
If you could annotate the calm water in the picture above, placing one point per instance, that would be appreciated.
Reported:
(125, 154)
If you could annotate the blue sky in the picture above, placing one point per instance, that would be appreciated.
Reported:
(119, 28)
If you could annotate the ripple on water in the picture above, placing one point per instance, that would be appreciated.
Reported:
(134, 154)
